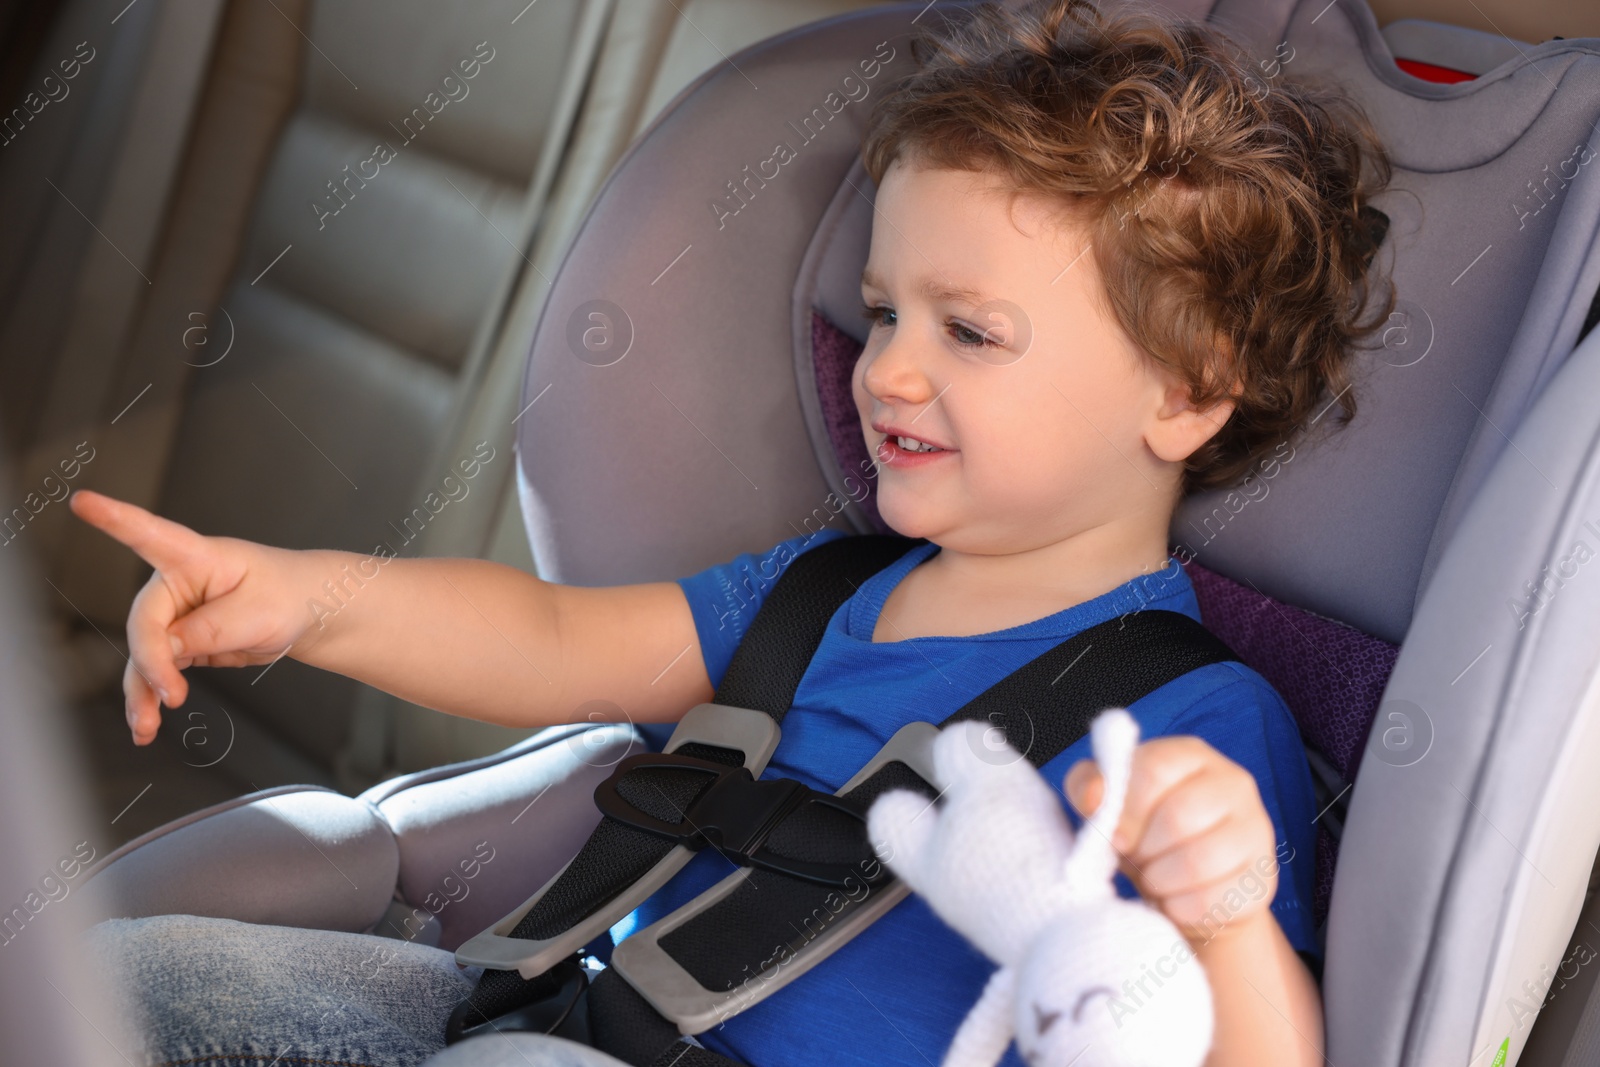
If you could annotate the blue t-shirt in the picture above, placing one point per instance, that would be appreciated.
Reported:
(896, 993)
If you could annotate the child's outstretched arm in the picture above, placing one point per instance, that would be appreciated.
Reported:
(1192, 832)
(465, 636)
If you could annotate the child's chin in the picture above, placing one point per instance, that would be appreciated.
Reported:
(908, 518)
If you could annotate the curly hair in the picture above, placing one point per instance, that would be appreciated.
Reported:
(1226, 204)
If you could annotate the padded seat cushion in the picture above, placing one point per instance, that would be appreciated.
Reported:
(833, 355)
(1331, 675)
(290, 856)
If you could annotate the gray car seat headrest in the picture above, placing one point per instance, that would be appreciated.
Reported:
(1373, 510)
(677, 422)
(1493, 217)
(667, 431)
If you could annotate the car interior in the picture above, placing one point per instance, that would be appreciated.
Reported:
(219, 301)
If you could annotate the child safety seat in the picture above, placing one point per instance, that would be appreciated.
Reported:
(1471, 830)
(1414, 584)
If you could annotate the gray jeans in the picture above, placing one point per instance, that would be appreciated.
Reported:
(223, 993)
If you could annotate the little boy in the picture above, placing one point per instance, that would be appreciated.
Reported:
(1109, 264)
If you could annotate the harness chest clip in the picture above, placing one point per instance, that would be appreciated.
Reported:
(735, 814)
(751, 733)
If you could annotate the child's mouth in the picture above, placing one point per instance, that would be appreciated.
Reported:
(891, 454)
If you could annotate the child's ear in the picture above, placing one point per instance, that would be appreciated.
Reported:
(1179, 427)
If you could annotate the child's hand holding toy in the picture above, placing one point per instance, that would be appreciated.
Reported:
(1086, 978)
(1198, 830)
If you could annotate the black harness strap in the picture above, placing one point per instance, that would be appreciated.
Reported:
(1042, 708)
(783, 637)
(764, 674)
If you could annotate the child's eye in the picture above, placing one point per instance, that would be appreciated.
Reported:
(963, 334)
(977, 340)
(875, 315)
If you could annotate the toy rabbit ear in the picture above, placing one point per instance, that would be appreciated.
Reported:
(1093, 862)
(900, 824)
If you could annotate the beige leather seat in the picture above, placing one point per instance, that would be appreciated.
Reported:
(288, 333)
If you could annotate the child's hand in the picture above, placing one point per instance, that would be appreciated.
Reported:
(227, 602)
(1195, 839)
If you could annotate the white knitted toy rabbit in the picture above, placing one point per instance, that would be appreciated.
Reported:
(1086, 978)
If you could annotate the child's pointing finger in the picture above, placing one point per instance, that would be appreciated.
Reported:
(162, 543)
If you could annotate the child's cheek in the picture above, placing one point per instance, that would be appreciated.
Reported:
(858, 391)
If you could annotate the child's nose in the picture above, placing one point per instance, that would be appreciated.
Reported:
(897, 371)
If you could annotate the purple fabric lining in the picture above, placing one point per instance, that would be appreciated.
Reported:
(1330, 674)
(834, 354)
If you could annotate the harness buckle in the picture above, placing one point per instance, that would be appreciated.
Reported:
(752, 733)
(563, 1013)
(735, 814)
(645, 964)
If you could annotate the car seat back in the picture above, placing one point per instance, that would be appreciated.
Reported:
(682, 392)
(347, 217)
